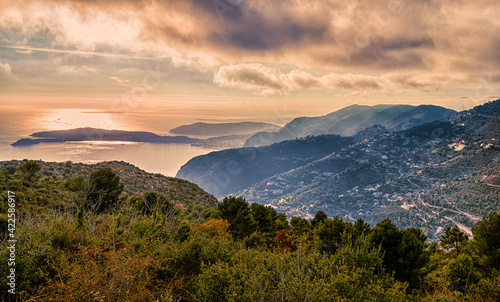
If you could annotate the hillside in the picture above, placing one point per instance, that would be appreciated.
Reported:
(229, 171)
(350, 120)
(135, 180)
(429, 176)
(223, 129)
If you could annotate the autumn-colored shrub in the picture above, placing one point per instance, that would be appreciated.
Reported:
(284, 241)
(214, 228)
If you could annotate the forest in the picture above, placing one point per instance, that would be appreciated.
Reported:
(86, 238)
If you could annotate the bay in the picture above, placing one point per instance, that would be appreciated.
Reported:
(156, 158)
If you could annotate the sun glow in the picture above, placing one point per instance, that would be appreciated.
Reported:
(63, 119)
(100, 28)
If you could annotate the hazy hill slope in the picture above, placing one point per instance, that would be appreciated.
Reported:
(350, 120)
(223, 129)
(228, 171)
(433, 175)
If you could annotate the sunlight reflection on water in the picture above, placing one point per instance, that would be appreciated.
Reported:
(156, 158)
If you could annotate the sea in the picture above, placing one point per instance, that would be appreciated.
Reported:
(16, 123)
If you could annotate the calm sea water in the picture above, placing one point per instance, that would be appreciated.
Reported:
(157, 158)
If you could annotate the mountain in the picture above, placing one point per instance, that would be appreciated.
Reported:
(350, 120)
(229, 171)
(223, 129)
(429, 176)
(441, 173)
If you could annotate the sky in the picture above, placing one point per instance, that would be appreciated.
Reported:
(252, 59)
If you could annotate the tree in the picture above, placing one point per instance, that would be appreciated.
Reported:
(300, 229)
(487, 240)
(461, 272)
(281, 222)
(184, 230)
(265, 217)
(318, 218)
(405, 251)
(329, 234)
(284, 241)
(105, 188)
(237, 212)
(152, 202)
(453, 238)
(299, 224)
(215, 228)
(76, 184)
(28, 171)
(413, 257)
(361, 229)
(386, 235)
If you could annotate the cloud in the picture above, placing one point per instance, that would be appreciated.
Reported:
(6, 75)
(380, 45)
(132, 87)
(357, 34)
(267, 80)
(256, 76)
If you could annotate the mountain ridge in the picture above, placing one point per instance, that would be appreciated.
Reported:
(223, 129)
(350, 120)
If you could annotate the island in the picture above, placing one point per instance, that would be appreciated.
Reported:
(95, 134)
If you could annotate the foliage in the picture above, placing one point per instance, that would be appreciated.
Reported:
(461, 272)
(487, 240)
(28, 171)
(150, 247)
(105, 188)
(453, 238)
(214, 228)
(237, 212)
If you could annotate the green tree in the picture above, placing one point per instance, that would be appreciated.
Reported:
(28, 171)
(361, 229)
(413, 257)
(453, 239)
(237, 212)
(461, 272)
(281, 222)
(184, 230)
(386, 235)
(104, 189)
(299, 224)
(329, 234)
(265, 217)
(153, 202)
(76, 184)
(486, 290)
(318, 218)
(300, 229)
(487, 240)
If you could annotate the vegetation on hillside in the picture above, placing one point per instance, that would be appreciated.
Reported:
(83, 237)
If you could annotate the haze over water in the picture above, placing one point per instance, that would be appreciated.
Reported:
(158, 158)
